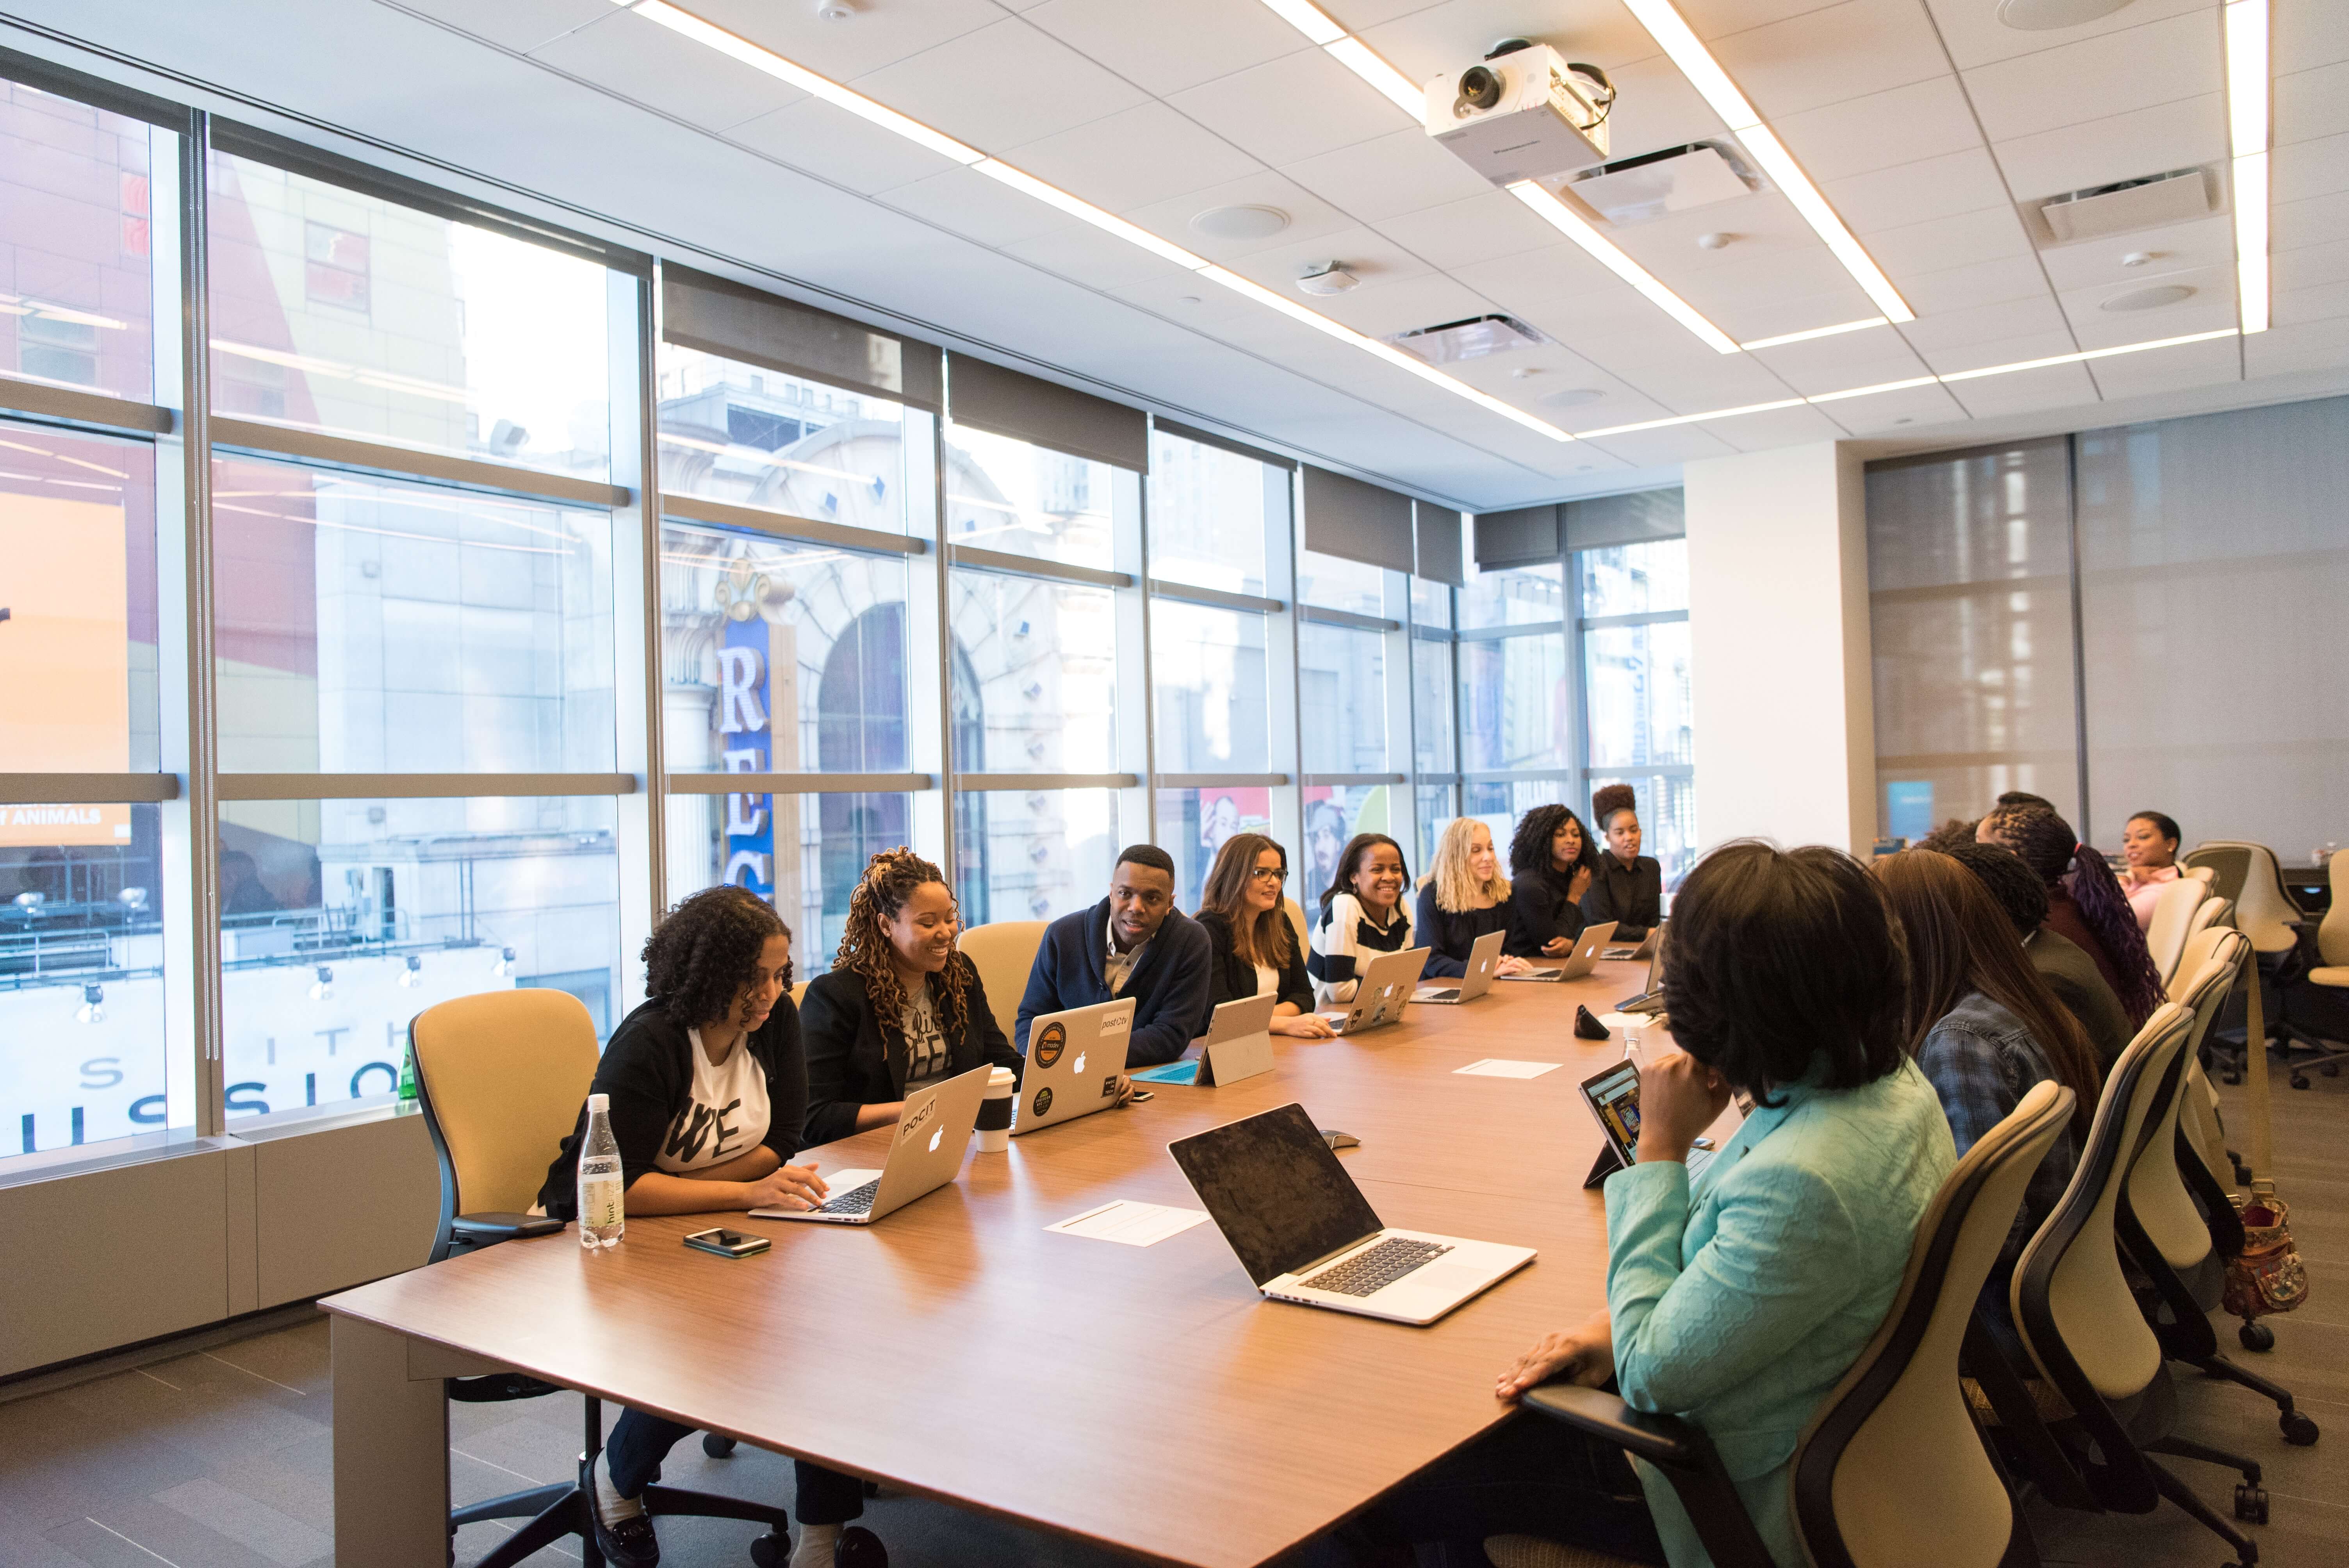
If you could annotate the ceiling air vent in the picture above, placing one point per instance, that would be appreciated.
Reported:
(1634, 189)
(1470, 339)
(2154, 201)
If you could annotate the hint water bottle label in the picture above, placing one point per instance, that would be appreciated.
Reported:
(603, 1188)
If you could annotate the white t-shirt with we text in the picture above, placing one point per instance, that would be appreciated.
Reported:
(725, 1115)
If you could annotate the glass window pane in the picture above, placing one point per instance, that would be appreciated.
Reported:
(1431, 705)
(1639, 700)
(337, 311)
(1667, 810)
(1208, 667)
(1005, 495)
(1430, 603)
(753, 437)
(1632, 579)
(342, 920)
(1342, 698)
(1517, 708)
(1513, 597)
(1334, 813)
(803, 853)
(81, 976)
(1035, 676)
(1435, 813)
(780, 658)
(376, 626)
(1501, 801)
(76, 303)
(1193, 825)
(77, 583)
(1334, 583)
(1032, 854)
(1213, 515)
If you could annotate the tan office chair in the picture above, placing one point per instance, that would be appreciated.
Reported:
(2173, 914)
(2212, 911)
(799, 993)
(501, 1078)
(1298, 923)
(2248, 873)
(2332, 973)
(1891, 1472)
(1003, 952)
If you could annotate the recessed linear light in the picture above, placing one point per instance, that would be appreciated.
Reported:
(1678, 40)
(2247, 131)
(1576, 227)
(687, 25)
(1834, 331)
(1351, 53)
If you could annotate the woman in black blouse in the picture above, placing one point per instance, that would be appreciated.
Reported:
(1628, 887)
(1551, 863)
(1464, 897)
(1252, 948)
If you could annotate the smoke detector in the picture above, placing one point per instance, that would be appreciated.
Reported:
(834, 10)
(1327, 278)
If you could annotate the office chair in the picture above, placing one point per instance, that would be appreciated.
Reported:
(2081, 1327)
(1891, 1472)
(2173, 913)
(2198, 1120)
(500, 1077)
(2332, 973)
(1003, 952)
(2249, 874)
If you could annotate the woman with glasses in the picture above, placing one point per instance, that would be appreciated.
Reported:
(1253, 950)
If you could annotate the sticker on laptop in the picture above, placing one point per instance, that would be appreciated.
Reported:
(1050, 1043)
(1043, 1101)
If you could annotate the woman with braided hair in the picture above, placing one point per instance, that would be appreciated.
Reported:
(2085, 902)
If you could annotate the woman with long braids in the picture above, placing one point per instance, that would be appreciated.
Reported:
(2085, 902)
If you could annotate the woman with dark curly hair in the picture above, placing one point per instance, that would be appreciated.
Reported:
(707, 1089)
(2086, 905)
(1551, 864)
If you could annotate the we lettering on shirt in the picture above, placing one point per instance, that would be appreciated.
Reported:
(693, 1128)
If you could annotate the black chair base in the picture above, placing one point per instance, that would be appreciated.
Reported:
(2247, 1550)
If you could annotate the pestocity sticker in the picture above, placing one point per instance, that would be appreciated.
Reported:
(1050, 1042)
(1043, 1101)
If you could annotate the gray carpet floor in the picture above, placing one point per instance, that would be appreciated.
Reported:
(221, 1457)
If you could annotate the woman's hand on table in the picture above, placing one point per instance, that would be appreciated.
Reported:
(1584, 1355)
(1304, 1026)
(791, 1187)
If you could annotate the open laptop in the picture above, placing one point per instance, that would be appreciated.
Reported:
(1611, 1095)
(1237, 1044)
(1576, 964)
(1650, 1001)
(1305, 1232)
(933, 1129)
(1483, 956)
(1647, 947)
(1074, 1060)
(1381, 991)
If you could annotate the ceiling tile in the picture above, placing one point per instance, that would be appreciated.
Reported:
(522, 24)
(1838, 363)
(1145, 154)
(830, 143)
(628, 55)
(1000, 86)
(972, 205)
(1165, 49)
(2180, 247)
(1748, 301)
(1974, 36)
(1190, 302)
(2026, 391)
(2308, 169)
(1936, 295)
(1719, 19)
(2210, 308)
(1964, 338)
(1826, 56)
(2306, 36)
(1778, 427)
(1494, 223)
(1087, 255)
(2315, 222)
(1774, 314)
(2321, 302)
(1405, 305)
(2118, 146)
(1402, 172)
(1368, 254)
(877, 35)
(2138, 68)
(1924, 120)
(1291, 108)
(1761, 225)
(1938, 244)
(2048, 345)
(2169, 369)
(2311, 265)
(1672, 444)
(2284, 350)
(1964, 182)
(2313, 103)
(1887, 411)
(1310, 217)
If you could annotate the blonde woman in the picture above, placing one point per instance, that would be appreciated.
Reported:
(1464, 898)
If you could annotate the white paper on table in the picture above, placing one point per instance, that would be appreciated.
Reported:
(1135, 1224)
(1627, 1021)
(1498, 1067)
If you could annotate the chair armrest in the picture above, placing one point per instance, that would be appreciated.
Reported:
(1664, 1440)
(487, 1230)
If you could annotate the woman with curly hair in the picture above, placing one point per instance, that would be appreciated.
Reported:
(2086, 905)
(707, 1088)
(1551, 865)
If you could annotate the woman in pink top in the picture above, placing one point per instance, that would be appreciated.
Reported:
(2149, 844)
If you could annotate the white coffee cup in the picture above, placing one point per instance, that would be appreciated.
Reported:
(995, 1112)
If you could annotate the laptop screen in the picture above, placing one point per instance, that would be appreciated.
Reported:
(1613, 1097)
(1276, 1191)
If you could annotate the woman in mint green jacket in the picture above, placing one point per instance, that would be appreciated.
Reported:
(1739, 1297)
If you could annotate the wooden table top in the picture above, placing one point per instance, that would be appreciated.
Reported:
(1143, 1397)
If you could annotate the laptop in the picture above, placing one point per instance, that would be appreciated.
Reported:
(933, 1129)
(1648, 946)
(1576, 964)
(1612, 1097)
(1074, 1060)
(1650, 1001)
(1380, 992)
(1306, 1234)
(1237, 1044)
(1482, 957)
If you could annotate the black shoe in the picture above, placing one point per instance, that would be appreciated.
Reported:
(628, 1543)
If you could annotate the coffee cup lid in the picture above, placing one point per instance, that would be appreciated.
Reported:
(999, 1079)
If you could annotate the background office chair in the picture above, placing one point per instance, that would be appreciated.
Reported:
(500, 1077)
(1003, 952)
(1296, 923)
(2332, 973)
(2173, 913)
(2248, 873)
(1891, 1472)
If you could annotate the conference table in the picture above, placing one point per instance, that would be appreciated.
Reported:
(1142, 1398)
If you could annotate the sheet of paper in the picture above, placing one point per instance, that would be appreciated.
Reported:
(835, 1182)
(1627, 1021)
(1135, 1224)
(1500, 1066)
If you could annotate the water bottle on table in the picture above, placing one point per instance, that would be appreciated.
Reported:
(603, 1191)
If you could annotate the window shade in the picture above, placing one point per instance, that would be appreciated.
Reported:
(990, 397)
(1632, 519)
(1524, 537)
(1438, 529)
(1357, 521)
(725, 318)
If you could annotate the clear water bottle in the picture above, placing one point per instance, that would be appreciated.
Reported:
(603, 1191)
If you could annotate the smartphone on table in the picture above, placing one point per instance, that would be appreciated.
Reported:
(727, 1243)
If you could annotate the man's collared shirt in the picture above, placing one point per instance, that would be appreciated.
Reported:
(1118, 968)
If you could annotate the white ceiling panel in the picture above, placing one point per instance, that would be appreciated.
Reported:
(825, 140)
(2153, 65)
(2118, 146)
(1965, 181)
(1745, 301)
(1408, 305)
(1826, 56)
(1163, 48)
(1000, 86)
(2169, 369)
(1778, 315)
(1310, 217)
(518, 25)
(1459, 233)
(1402, 171)
(2315, 222)
(653, 65)
(2311, 265)
(877, 35)
(1838, 363)
(1884, 411)
(1291, 108)
(1906, 125)
(2306, 36)
(1974, 36)
(1145, 154)
(1674, 444)
(1367, 253)
(2313, 103)
(972, 205)
(1718, 18)
(2026, 391)
(1933, 295)
(1686, 385)
(2312, 346)
(2180, 247)
(1760, 224)
(1085, 254)
(1940, 244)
(2210, 308)
(1779, 428)
(1961, 339)
(2320, 302)
(2309, 169)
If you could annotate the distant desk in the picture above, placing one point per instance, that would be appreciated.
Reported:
(2310, 887)
(1143, 1397)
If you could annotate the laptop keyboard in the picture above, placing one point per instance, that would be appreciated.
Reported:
(1366, 1273)
(855, 1200)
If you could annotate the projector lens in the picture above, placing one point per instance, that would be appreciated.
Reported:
(1480, 87)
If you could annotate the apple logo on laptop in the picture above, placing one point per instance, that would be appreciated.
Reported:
(936, 1139)
(1079, 1071)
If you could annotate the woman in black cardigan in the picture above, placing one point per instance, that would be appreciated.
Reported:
(1464, 897)
(1551, 862)
(1252, 948)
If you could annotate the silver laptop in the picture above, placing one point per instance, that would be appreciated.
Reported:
(924, 1152)
(1305, 1232)
(1074, 1060)
(1380, 992)
(1647, 947)
(1650, 1001)
(1484, 957)
(1576, 964)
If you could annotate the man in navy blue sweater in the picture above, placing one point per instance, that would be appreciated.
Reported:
(1137, 943)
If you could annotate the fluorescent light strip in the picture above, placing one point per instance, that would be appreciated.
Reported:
(1678, 41)
(1834, 331)
(1692, 419)
(2247, 131)
(2087, 354)
(1401, 91)
(1574, 227)
(1307, 18)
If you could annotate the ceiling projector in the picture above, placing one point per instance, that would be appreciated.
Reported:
(1522, 112)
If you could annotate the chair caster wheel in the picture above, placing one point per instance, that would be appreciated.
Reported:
(2298, 1430)
(859, 1548)
(2298, 1082)
(2256, 1337)
(2251, 1503)
(716, 1445)
(770, 1550)
(2243, 1174)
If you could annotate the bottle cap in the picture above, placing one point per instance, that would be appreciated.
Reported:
(999, 1079)
(597, 1102)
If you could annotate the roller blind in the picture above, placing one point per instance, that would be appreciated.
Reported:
(1357, 521)
(725, 318)
(1524, 537)
(1632, 519)
(990, 397)
(1439, 544)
